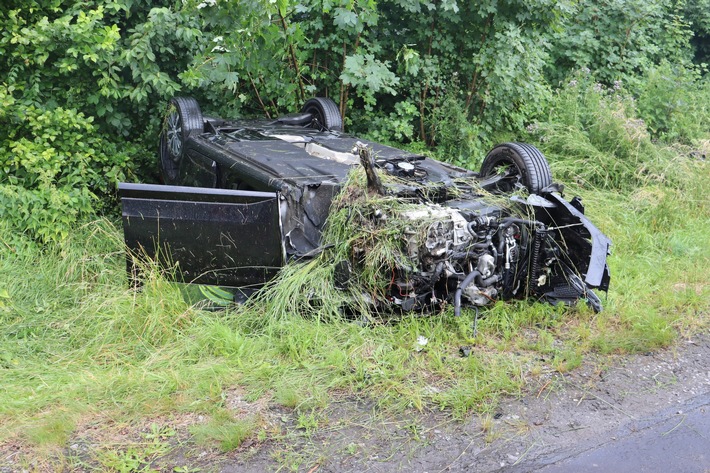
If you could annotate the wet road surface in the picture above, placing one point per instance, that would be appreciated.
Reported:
(677, 440)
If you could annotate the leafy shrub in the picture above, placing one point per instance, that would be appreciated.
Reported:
(397, 126)
(56, 170)
(110, 60)
(457, 139)
(675, 103)
(619, 39)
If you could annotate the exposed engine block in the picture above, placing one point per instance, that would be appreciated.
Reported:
(462, 253)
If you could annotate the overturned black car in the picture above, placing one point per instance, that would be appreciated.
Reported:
(243, 198)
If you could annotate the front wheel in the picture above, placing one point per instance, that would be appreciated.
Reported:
(325, 113)
(520, 165)
(182, 119)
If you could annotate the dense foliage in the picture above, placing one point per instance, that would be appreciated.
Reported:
(57, 170)
(447, 74)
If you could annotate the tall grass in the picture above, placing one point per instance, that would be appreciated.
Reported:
(650, 196)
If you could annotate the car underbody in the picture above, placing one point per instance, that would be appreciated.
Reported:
(245, 198)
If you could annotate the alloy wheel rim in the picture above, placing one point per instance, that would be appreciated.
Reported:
(174, 135)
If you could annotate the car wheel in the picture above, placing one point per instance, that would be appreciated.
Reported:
(182, 119)
(325, 112)
(521, 164)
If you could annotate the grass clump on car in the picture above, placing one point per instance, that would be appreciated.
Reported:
(367, 239)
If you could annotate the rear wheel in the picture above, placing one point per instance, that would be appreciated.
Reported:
(182, 120)
(325, 112)
(520, 164)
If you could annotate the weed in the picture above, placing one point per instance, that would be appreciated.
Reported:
(134, 458)
(158, 433)
(308, 422)
(487, 423)
(352, 448)
(228, 432)
(294, 459)
(521, 426)
(414, 429)
(492, 436)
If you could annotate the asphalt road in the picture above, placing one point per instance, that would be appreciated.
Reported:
(676, 440)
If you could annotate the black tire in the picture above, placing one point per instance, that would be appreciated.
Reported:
(325, 112)
(523, 164)
(183, 119)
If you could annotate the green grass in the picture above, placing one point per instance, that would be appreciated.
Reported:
(78, 347)
(226, 431)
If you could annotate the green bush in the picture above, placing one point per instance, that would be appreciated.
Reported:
(675, 103)
(56, 170)
(457, 139)
(397, 126)
(619, 39)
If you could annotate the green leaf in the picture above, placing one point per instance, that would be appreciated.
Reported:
(344, 18)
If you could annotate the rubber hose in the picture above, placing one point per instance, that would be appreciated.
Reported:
(464, 284)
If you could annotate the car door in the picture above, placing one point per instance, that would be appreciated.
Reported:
(202, 235)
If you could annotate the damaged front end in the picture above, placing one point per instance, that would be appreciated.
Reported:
(468, 246)
(558, 256)
(553, 254)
